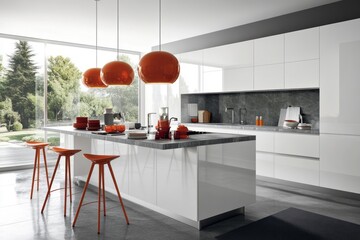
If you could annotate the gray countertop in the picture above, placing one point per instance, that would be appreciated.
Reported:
(252, 127)
(192, 141)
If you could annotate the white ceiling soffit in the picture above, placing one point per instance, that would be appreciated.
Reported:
(74, 20)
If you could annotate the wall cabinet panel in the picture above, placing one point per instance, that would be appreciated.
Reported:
(269, 50)
(269, 77)
(238, 79)
(304, 74)
(302, 45)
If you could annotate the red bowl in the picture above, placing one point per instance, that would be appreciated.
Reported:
(110, 128)
(94, 121)
(81, 119)
(120, 128)
(80, 125)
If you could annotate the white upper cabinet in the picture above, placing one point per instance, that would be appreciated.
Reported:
(339, 78)
(269, 63)
(190, 66)
(269, 77)
(302, 45)
(302, 58)
(269, 50)
(238, 79)
(230, 56)
(302, 74)
(236, 61)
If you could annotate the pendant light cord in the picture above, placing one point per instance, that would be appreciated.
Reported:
(96, 32)
(117, 25)
(159, 25)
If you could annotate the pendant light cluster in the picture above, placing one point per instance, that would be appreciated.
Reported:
(113, 73)
(159, 66)
(154, 67)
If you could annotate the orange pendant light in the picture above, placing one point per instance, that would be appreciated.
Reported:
(91, 77)
(117, 72)
(159, 66)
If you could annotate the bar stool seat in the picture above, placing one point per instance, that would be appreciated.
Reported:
(38, 146)
(67, 153)
(100, 160)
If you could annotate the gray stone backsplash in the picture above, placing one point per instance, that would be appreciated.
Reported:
(266, 104)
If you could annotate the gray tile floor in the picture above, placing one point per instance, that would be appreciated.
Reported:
(20, 217)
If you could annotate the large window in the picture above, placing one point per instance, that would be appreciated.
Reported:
(40, 84)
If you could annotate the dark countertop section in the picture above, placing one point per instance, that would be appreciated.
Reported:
(192, 141)
(252, 128)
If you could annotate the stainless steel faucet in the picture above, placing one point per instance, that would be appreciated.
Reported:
(232, 113)
(148, 120)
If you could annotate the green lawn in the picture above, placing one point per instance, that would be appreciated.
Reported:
(29, 134)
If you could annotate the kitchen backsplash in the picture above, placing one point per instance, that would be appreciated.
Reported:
(266, 104)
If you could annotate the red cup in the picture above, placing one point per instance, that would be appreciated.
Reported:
(81, 120)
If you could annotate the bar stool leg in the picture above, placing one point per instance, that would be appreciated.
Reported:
(46, 168)
(83, 194)
(38, 168)
(103, 187)
(66, 179)
(99, 197)
(33, 176)
(70, 187)
(118, 192)
(51, 182)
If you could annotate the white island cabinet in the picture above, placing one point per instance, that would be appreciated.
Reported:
(198, 180)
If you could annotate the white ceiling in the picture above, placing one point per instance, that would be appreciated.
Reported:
(74, 20)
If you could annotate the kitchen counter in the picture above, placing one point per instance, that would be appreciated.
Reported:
(252, 128)
(198, 180)
(192, 141)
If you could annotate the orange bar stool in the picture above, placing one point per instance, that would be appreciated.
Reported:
(101, 160)
(67, 153)
(38, 146)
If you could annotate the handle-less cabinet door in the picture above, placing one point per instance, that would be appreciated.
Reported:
(340, 162)
(340, 78)
(302, 74)
(190, 71)
(269, 50)
(238, 71)
(238, 79)
(302, 45)
(269, 77)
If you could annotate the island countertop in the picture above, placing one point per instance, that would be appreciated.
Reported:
(191, 141)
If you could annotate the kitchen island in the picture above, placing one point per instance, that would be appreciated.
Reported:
(198, 180)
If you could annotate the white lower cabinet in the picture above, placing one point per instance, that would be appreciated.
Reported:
(287, 156)
(297, 158)
(297, 144)
(297, 169)
(340, 162)
(265, 164)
